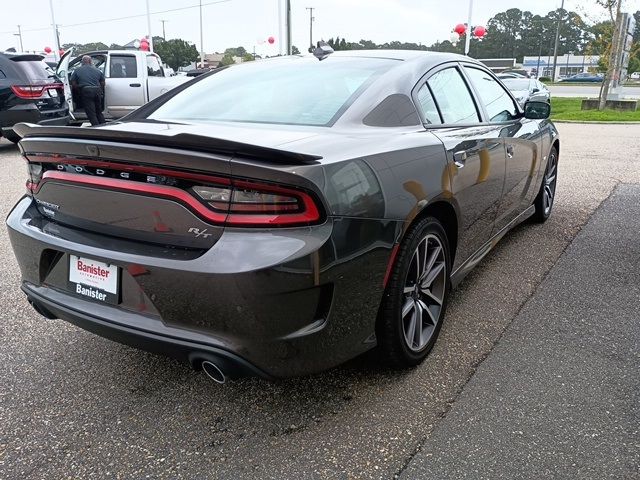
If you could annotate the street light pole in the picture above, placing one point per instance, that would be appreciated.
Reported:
(311, 19)
(555, 47)
(56, 51)
(288, 31)
(149, 28)
(201, 39)
(19, 34)
(467, 40)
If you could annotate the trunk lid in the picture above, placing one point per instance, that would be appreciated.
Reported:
(156, 183)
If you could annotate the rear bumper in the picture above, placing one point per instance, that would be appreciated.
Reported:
(29, 113)
(274, 304)
(194, 353)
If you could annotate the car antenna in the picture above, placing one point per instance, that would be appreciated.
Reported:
(322, 50)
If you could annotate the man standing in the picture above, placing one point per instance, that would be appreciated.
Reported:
(90, 81)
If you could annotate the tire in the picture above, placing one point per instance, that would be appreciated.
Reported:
(546, 196)
(400, 345)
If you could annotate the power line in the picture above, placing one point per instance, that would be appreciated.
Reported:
(117, 19)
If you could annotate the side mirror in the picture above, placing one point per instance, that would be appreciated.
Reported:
(537, 110)
(535, 90)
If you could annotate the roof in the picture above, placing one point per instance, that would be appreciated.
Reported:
(405, 55)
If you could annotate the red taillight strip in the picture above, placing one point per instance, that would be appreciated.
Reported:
(164, 191)
(128, 168)
(310, 214)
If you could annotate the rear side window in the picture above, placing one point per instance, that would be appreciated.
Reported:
(453, 97)
(123, 66)
(34, 69)
(498, 103)
(153, 66)
(428, 105)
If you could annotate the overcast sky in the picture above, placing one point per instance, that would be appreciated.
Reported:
(250, 22)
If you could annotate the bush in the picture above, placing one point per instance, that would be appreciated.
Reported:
(545, 79)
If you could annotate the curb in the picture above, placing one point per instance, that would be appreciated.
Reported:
(597, 122)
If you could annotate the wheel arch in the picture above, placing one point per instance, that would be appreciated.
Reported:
(443, 211)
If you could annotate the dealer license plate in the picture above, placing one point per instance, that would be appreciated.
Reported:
(94, 280)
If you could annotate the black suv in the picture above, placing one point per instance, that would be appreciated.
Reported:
(29, 92)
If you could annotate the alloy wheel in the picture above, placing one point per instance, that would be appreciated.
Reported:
(549, 191)
(424, 292)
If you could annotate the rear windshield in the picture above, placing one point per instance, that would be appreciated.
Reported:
(34, 69)
(301, 91)
(516, 83)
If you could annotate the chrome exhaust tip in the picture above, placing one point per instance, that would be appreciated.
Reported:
(213, 372)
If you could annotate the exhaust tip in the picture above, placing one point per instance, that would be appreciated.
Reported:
(214, 372)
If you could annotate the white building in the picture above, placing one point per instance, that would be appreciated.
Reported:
(567, 65)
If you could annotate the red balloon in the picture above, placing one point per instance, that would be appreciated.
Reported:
(479, 31)
(47, 49)
(271, 40)
(61, 52)
(460, 28)
(144, 44)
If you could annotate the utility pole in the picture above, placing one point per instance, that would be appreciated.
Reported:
(19, 34)
(149, 28)
(311, 19)
(56, 51)
(555, 46)
(164, 37)
(201, 39)
(467, 40)
(288, 29)
(280, 28)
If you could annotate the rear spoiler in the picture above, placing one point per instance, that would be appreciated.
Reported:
(185, 141)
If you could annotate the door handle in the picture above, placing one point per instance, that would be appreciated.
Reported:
(135, 85)
(460, 158)
(510, 151)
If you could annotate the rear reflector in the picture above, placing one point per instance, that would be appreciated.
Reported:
(217, 200)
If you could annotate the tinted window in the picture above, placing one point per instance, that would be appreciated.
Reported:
(295, 91)
(123, 66)
(453, 97)
(516, 83)
(34, 69)
(428, 105)
(153, 66)
(495, 98)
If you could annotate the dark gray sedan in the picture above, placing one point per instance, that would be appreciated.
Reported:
(280, 217)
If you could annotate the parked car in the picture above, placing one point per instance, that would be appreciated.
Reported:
(526, 89)
(583, 77)
(510, 75)
(133, 78)
(29, 92)
(635, 76)
(517, 71)
(280, 217)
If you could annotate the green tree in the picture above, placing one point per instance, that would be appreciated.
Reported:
(176, 52)
(82, 48)
(227, 60)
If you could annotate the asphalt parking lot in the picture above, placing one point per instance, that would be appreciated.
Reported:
(73, 405)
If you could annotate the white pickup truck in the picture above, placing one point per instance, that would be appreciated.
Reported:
(133, 78)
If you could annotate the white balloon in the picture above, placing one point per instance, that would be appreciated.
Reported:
(454, 37)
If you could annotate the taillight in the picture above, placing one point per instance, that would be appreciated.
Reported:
(28, 91)
(255, 204)
(34, 91)
(216, 199)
